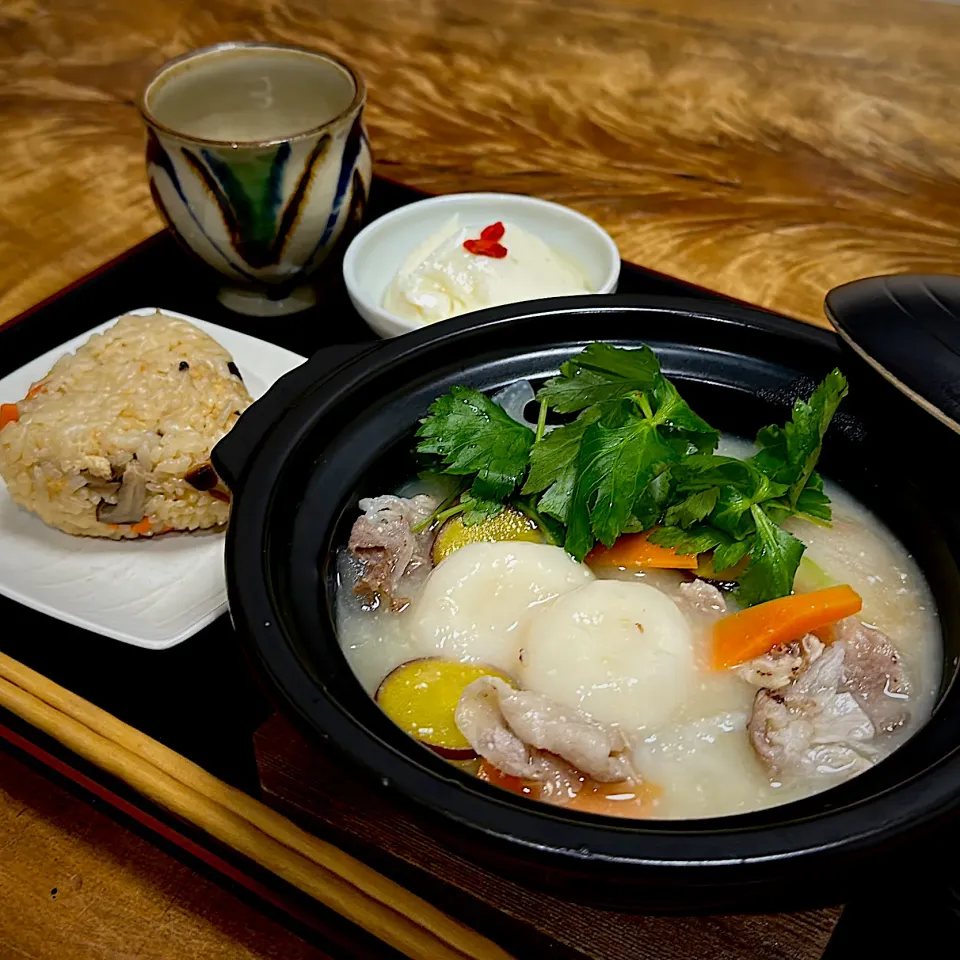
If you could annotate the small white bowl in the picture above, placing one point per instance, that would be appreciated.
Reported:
(377, 252)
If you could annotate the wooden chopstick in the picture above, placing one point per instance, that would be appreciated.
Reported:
(351, 888)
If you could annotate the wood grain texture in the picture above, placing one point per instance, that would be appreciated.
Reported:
(77, 886)
(768, 149)
(352, 889)
(331, 800)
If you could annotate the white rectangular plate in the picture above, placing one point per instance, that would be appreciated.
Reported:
(153, 593)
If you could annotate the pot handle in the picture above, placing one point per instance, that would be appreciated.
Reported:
(232, 455)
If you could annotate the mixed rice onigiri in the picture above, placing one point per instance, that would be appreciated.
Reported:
(115, 440)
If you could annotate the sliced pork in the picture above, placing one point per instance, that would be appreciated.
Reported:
(703, 597)
(873, 673)
(523, 733)
(392, 551)
(821, 706)
(783, 664)
(811, 727)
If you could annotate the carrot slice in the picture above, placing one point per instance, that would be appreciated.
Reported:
(616, 799)
(9, 413)
(491, 774)
(634, 551)
(607, 799)
(39, 387)
(752, 632)
(142, 527)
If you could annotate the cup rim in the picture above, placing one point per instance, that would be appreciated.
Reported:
(359, 94)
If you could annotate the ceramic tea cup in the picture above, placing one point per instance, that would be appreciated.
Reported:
(258, 160)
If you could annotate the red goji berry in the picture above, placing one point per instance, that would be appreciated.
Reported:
(494, 232)
(487, 245)
(485, 248)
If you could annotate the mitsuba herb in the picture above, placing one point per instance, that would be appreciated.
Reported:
(636, 457)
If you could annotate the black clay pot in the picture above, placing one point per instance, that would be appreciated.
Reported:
(341, 426)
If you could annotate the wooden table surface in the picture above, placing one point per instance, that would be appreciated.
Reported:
(768, 149)
(76, 886)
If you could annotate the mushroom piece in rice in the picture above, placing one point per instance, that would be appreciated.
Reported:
(115, 440)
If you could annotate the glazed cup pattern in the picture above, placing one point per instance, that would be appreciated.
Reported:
(265, 215)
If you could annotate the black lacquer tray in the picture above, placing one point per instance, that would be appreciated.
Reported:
(200, 698)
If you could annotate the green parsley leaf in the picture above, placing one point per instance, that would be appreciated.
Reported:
(472, 435)
(772, 457)
(638, 457)
(728, 555)
(815, 505)
(599, 374)
(738, 485)
(774, 558)
(789, 454)
(694, 508)
(476, 511)
(553, 467)
(702, 471)
(778, 509)
(553, 459)
(699, 538)
(614, 467)
(671, 410)
(733, 512)
(556, 500)
(651, 504)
